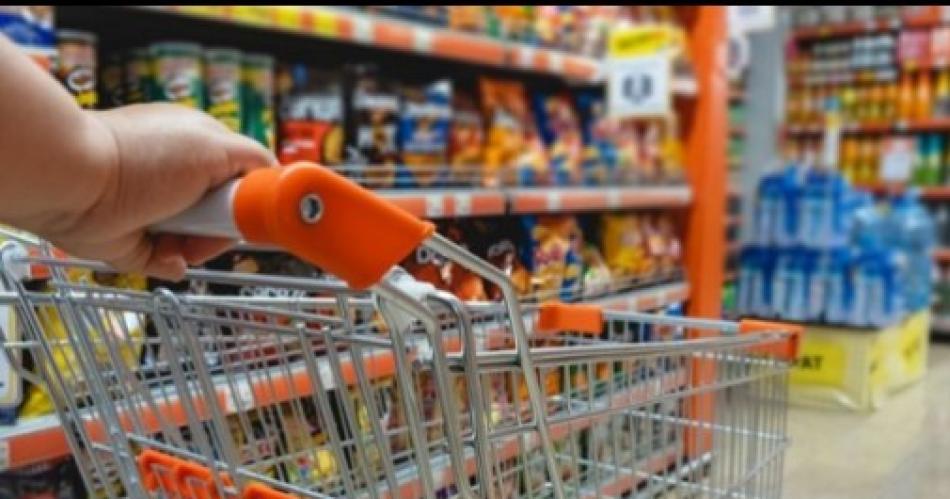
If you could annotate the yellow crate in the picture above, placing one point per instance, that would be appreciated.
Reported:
(857, 369)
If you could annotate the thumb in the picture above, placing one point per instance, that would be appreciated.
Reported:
(243, 155)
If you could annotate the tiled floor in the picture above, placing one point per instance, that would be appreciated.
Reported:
(900, 451)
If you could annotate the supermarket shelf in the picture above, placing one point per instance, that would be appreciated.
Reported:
(561, 426)
(925, 18)
(629, 480)
(935, 193)
(448, 203)
(650, 298)
(378, 31)
(548, 200)
(42, 439)
(926, 125)
(942, 255)
(440, 203)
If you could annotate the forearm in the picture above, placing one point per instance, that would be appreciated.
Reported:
(51, 151)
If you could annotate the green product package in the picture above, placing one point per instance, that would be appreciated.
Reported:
(257, 95)
(223, 79)
(176, 73)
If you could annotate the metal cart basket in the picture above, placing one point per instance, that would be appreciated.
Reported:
(372, 384)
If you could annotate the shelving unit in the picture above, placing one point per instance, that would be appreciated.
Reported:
(701, 198)
(41, 439)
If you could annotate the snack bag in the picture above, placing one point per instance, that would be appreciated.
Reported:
(498, 243)
(311, 115)
(670, 253)
(424, 133)
(372, 115)
(462, 282)
(306, 439)
(624, 245)
(467, 140)
(599, 133)
(550, 256)
(596, 278)
(467, 17)
(427, 266)
(560, 130)
(506, 114)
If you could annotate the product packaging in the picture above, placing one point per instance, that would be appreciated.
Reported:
(424, 124)
(372, 122)
(311, 116)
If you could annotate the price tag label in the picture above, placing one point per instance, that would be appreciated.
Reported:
(639, 86)
(897, 159)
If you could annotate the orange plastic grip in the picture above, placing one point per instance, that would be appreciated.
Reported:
(786, 350)
(354, 234)
(555, 317)
(260, 491)
(147, 461)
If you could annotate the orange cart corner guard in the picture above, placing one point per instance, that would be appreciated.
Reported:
(555, 317)
(787, 350)
(327, 220)
(147, 460)
(260, 491)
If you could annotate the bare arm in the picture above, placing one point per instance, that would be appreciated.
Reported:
(92, 181)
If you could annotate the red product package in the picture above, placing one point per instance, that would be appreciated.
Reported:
(311, 116)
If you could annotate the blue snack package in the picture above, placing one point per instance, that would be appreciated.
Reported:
(561, 134)
(597, 131)
(423, 134)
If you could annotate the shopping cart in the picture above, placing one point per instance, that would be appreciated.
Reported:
(378, 385)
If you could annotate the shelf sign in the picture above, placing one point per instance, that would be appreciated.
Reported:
(897, 159)
(639, 87)
(640, 71)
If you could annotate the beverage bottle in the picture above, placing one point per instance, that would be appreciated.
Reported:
(942, 93)
(923, 101)
(837, 308)
(818, 273)
(890, 100)
(797, 285)
(849, 149)
(875, 96)
(934, 158)
(905, 98)
(918, 174)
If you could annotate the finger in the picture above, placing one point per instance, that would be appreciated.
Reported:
(245, 154)
(198, 250)
(166, 260)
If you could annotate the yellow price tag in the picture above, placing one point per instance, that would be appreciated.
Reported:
(259, 15)
(821, 362)
(289, 17)
(325, 23)
(633, 41)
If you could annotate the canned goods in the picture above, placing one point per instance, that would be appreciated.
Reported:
(76, 68)
(223, 78)
(257, 75)
(176, 75)
(138, 76)
(112, 83)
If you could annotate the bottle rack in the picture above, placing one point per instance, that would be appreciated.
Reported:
(701, 104)
(898, 108)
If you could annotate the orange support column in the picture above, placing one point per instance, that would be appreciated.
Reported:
(706, 141)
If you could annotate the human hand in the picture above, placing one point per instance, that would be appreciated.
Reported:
(143, 164)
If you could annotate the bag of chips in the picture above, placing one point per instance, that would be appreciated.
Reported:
(506, 115)
(467, 141)
(424, 124)
(560, 130)
(372, 116)
(311, 116)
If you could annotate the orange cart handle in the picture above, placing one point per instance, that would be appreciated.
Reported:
(313, 213)
(785, 350)
(557, 317)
